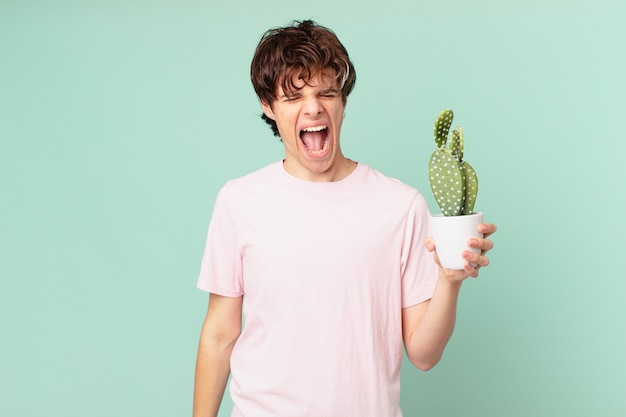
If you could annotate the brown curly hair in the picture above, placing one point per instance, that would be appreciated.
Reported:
(304, 49)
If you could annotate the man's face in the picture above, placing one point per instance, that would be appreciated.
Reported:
(309, 122)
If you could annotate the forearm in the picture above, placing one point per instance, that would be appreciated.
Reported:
(212, 370)
(429, 337)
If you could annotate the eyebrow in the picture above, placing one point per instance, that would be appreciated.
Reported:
(297, 93)
(290, 95)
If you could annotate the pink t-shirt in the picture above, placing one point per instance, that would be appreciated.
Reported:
(325, 269)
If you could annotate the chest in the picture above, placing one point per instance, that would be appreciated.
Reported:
(314, 246)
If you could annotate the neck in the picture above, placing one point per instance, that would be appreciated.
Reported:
(340, 170)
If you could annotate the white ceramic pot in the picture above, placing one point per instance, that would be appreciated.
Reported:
(451, 234)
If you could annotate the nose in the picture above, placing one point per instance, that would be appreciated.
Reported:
(313, 106)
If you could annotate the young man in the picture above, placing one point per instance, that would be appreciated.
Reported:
(328, 258)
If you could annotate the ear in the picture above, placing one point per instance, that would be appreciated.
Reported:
(267, 109)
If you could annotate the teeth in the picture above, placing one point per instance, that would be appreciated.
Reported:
(314, 129)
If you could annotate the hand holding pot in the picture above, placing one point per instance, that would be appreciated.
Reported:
(473, 260)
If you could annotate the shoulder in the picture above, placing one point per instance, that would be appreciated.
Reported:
(384, 183)
(266, 173)
(392, 194)
(248, 183)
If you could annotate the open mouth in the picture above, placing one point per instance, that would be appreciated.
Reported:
(315, 139)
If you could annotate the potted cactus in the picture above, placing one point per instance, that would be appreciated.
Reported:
(454, 184)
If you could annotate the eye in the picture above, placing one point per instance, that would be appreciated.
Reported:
(290, 99)
(329, 94)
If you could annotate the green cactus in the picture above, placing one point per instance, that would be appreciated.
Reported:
(452, 180)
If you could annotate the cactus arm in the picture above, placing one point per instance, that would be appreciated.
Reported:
(459, 131)
(471, 187)
(455, 144)
(446, 182)
(442, 127)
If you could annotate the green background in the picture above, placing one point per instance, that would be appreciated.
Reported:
(120, 120)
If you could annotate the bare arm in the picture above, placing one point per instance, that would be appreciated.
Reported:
(427, 327)
(220, 331)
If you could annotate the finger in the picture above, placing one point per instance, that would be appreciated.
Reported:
(472, 267)
(484, 244)
(429, 243)
(487, 229)
(475, 273)
(475, 259)
(471, 270)
(436, 259)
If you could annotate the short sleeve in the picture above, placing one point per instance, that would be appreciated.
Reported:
(221, 267)
(419, 270)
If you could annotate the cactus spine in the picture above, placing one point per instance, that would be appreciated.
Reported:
(453, 181)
